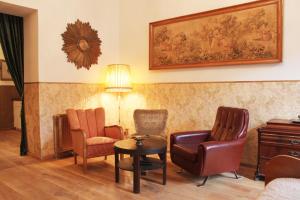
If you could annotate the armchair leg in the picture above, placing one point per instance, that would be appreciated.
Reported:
(75, 158)
(105, 157)
(235, 174)
(204, 181)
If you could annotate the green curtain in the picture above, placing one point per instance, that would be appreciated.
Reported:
(12, 41)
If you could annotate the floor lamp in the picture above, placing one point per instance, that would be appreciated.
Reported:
(118, 81)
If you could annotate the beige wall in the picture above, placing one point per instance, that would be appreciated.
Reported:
(134, 43)
(52, 18)
(31, 66)
(44, 22)
(123, 28)
(124, 31)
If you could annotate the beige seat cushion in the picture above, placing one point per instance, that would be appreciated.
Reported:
(100, 146)
(99, 140)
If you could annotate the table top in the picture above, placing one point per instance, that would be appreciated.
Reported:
(151, 145)
(284, 122)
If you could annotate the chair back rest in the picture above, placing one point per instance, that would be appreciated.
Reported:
(230, 124)
(150, 122)
(91, 121)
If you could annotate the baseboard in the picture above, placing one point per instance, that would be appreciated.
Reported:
(248, 165)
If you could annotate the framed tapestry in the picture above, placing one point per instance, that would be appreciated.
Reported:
(5, 75)
(243, 34)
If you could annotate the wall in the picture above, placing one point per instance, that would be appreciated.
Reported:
(44, 22)
(70, 95)
(191, 106)
(52, 20)
(134, 43)
(124, 31)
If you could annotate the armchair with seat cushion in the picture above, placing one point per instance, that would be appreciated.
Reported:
(150, 122)
(208, 152)
(90, 137)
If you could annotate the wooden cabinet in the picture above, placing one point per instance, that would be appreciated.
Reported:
(62, 136)
(278, 137)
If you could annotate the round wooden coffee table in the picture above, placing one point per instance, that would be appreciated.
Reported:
(138, 162)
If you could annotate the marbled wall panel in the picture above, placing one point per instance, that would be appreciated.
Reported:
(191, 106)
(55, 98)
(32, 116)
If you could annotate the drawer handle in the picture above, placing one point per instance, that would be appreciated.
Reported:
(294, 153)
(295, 142)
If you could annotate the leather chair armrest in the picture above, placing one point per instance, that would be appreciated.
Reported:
(212, 146)
(114, 131)
(220, 155)
(79, 141)
(189, 137)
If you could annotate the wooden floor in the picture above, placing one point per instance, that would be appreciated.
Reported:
(27, 178)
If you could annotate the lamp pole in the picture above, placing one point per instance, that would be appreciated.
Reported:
(119, 107)
(118, 81)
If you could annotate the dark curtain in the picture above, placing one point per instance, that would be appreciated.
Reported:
(12, 41)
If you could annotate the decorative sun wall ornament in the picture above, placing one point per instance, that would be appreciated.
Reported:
(81, 44)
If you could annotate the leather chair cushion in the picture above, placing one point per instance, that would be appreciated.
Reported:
(186, 151)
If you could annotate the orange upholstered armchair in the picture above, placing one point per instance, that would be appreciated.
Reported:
(90, 137)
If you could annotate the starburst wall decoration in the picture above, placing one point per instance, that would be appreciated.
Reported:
(81, 44)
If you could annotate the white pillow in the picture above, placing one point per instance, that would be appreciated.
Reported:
(282, 189)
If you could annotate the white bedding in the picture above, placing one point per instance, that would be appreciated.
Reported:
(282, 189)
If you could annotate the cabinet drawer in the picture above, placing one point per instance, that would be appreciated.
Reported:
(267, 152)
(280, 139)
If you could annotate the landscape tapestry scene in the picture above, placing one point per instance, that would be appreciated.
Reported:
(245, 35)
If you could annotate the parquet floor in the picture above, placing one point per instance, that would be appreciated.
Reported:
(27, 178)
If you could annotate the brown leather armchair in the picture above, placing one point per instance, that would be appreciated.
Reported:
(215, 151)
(90, 137)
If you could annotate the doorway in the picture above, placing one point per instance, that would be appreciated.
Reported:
(27, 25)
(10, 106)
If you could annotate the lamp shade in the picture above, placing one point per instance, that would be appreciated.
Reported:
(118, 78)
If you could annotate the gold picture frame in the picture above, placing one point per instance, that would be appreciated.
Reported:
(5, 74)
(249, 33)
